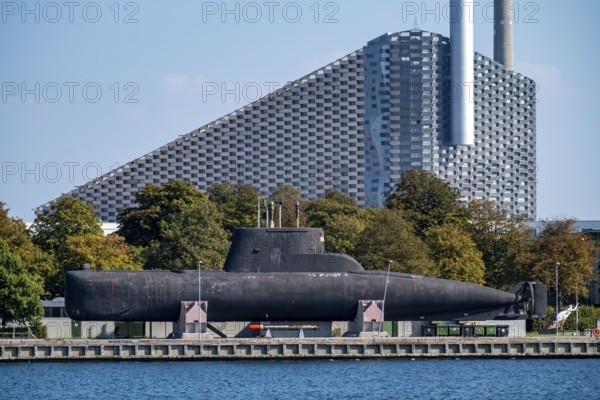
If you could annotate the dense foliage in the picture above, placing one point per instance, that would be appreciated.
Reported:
(388, 236)
(558, 243)
(177, 226)
(341, 219)
(236, 202)
(426, 200)
(455, 254)
(503, 240)
(40, 264)
(20, 290)
(102, 252)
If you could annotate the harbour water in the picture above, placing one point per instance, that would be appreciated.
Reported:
(368, 379)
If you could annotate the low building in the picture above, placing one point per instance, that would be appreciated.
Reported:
(60, 326)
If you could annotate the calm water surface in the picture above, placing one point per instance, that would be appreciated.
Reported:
(420, 379)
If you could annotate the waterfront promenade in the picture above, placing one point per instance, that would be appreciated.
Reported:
(328, 348)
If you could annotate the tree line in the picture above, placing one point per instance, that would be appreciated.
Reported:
(424, 228)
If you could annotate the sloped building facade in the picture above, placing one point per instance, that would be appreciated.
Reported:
(355, 125)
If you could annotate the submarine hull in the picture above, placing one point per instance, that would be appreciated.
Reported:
(316, 296)
(285, 274)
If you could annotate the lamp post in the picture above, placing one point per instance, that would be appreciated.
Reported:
(556, 272)
(199, 300)
(577, 307)
(387, 279)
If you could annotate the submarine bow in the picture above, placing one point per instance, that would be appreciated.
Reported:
(285, 275)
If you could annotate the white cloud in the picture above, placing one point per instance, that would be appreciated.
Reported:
(178, 83)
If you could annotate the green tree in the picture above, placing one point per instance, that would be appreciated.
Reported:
(341, 219)
(426, 200)
(191, 235)
(20, 291)
(140, 225)
(455, 254)
(177, 225)
(236, 202)
(388, 236)
(504, 241)
(68, 217)
(576, 253)
(343, 233)
(320, 212)
(14, 233)
(101, 252)
(289, 196)
(339, 197)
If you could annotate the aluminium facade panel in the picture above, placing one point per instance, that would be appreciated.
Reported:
(306, 134)
(355, 125)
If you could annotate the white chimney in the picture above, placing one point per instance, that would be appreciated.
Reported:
(462, 115)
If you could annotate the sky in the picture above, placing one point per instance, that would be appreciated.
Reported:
(89, 86)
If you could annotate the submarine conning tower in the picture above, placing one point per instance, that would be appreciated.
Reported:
(284, 250)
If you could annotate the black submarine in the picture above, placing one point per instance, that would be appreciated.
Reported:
(284, 274)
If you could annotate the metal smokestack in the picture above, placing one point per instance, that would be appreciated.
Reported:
(503, 34)
(462, 114)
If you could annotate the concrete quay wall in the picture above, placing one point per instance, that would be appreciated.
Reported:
(334, 348)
